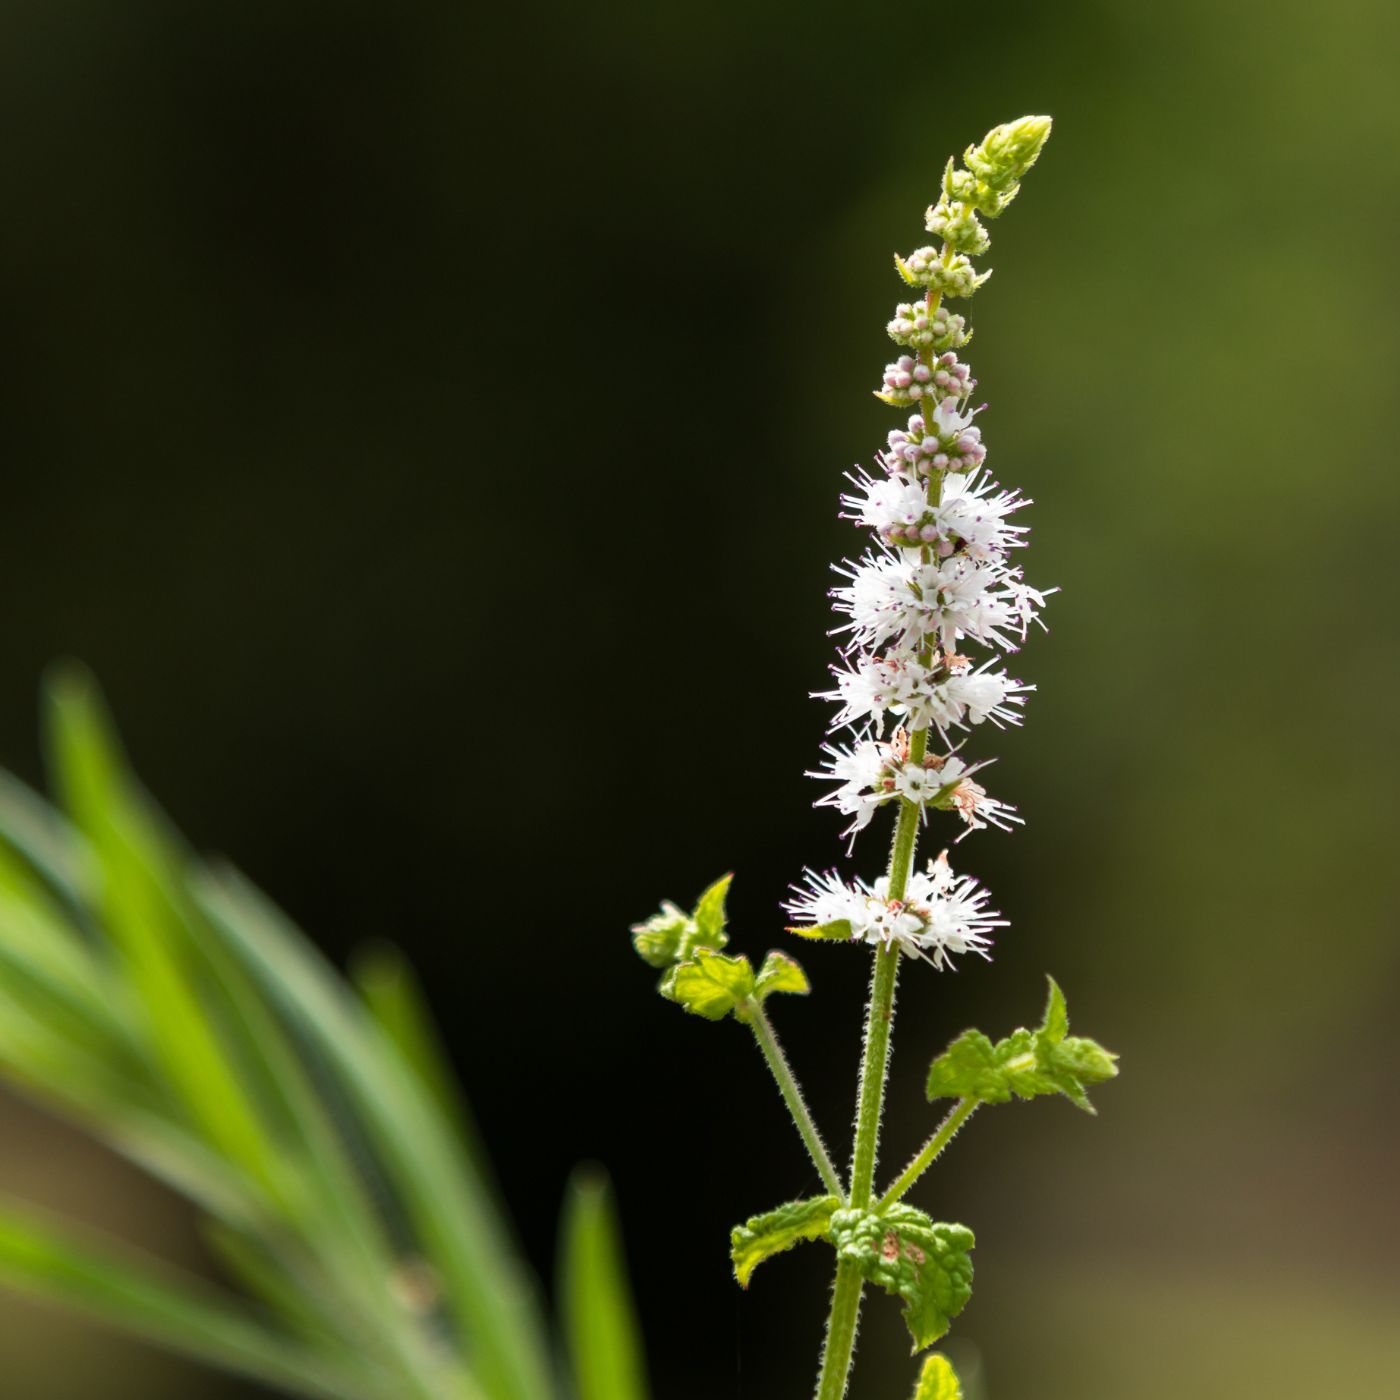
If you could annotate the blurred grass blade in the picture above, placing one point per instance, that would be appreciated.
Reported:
(38, 833)
(595, 1299)
(137, 903)
(395, 999)
(157, 1303)
(486, 1288)
(94, 1094)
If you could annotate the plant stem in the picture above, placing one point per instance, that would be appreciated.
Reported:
(962, 1111)
(767, 1038)
(846, 1291)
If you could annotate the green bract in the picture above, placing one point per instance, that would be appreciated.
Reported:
(1026, 1064)
(902, 1250)
(839, 930)
(765, 1235)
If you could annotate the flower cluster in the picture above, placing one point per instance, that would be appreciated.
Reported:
(940, 332)
(938, 579)
(872, 772)
(939, 914)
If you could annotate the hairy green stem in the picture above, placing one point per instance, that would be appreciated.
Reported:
(846, 1291)
(962, 1111)
(767, 1038)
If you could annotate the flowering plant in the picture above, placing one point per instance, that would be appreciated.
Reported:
(938, 578)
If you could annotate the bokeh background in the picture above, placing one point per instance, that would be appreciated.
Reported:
(427, 421)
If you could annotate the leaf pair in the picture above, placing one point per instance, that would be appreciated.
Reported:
(673, 936)
(698, 975)
(1026, 1064)
(714, 984)
(900, 1249)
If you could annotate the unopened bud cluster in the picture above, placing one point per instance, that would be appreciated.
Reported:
(938, 579)
(915, 327)
(909, 380)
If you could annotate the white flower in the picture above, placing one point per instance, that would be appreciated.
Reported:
(976, 696)
(879, 684)
(874, 772)
(890, 504)
(972, 511)
(941, 914)
(861, 772)
(903, 600)
(898, 683)
(970, 800)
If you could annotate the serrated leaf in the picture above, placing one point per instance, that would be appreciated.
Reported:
(765, 1235)
(938, 1380)
(968, 1068)
(1026, 1064)
(904, 1252)
(903, 269)
(837, 930)
(711, 985)
(781, 973)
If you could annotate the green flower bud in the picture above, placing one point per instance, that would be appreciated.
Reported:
(957, 224)
(1007, 152)
(924, 267)
(913, 325)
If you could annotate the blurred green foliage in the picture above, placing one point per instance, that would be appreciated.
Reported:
(169, 1009)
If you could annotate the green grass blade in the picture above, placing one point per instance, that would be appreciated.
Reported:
(487, 1289)
(595, 1300)
(157, 1303)
(138, 905)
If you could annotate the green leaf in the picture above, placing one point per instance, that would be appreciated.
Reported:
(901, 1250)
(658, 940)
(152, 1301)
(838, 930)
(1055, 1023)
(938, 1380)
(781, 973)
(766, 1235)
(711, 985)
(1026, 1064)
(710, 915)
(599, 1317)
(968, 1068)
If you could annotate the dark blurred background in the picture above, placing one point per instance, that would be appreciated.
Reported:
(427, 421)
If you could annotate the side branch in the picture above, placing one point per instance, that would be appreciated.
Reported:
(792, 1095)
(928, 1154)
